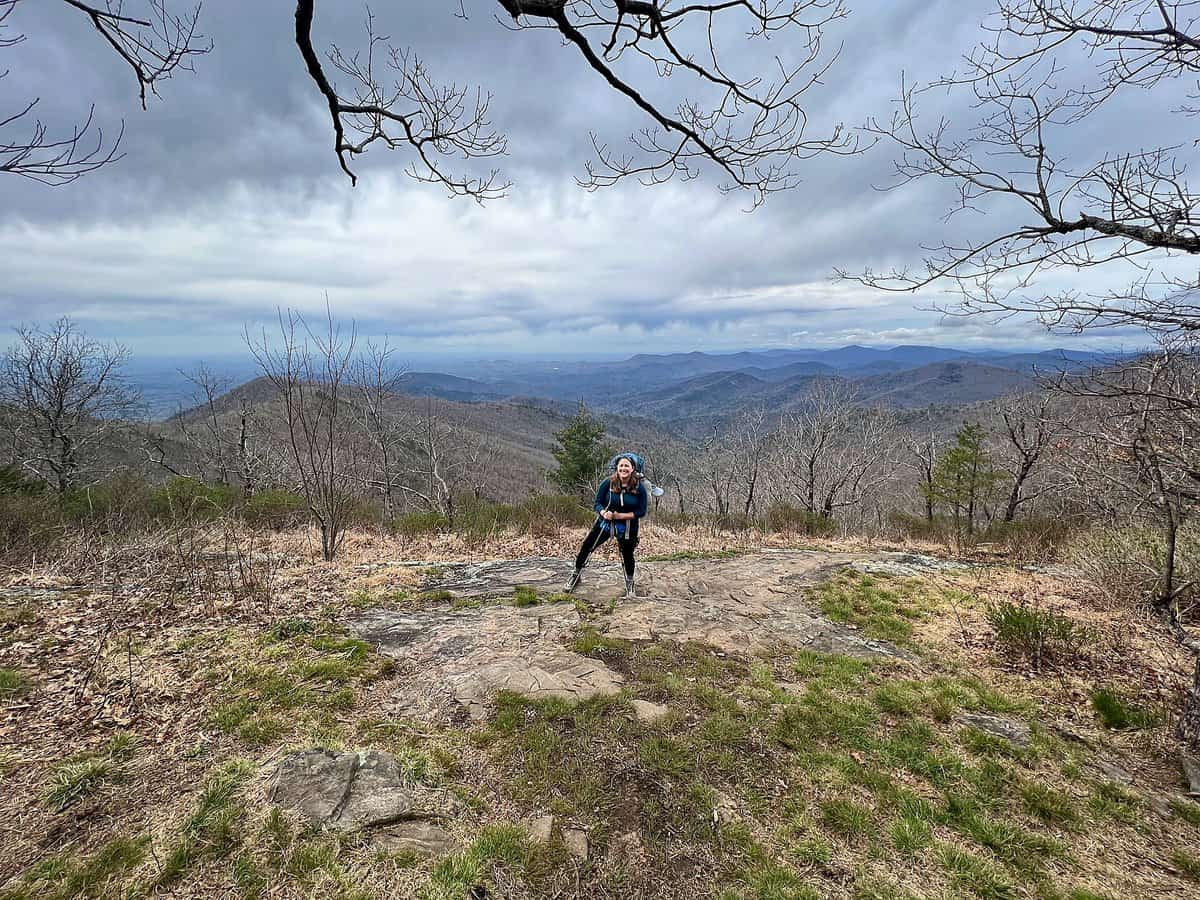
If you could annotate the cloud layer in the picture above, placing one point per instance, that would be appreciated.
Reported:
(228, 203)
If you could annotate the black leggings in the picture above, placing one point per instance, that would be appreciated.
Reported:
(598, 536)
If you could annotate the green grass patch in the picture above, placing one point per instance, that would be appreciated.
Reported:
(523, 595)
(85, 774)
(497, 846)
(1188, 810)
(666, 756)
(847, 818)
(215, 829)
(910, 834)
(1119, 713)
(1109, 800)
(13, 684)
(683, 555)
(296, 675)
(977, 876)
(64, 875)
(589, 641)
(1187, 863)
(1048, 804)
(884, 609)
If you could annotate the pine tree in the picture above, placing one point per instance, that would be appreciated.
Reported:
(962, 479)
(581, 453)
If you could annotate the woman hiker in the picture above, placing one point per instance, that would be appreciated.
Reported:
(621, 500)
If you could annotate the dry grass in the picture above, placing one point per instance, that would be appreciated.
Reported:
(832, 813)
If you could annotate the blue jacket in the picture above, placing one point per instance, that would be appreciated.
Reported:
(636, 502)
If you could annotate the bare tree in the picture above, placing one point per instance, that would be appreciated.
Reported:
(375, 381)
(921, 455)
(1079, 211)
(1142, 441)
(65, 396)
(830, 450)
(738, 113)
(750, 127)
(752, 442)
(220, 444)
(310, 371)
(1030, 428)
(1071, 211)
(434, 477)
(153, 43)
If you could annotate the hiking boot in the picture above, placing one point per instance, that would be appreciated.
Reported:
(573, 581)
(630, 593)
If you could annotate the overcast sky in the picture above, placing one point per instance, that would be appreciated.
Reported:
(228, 202)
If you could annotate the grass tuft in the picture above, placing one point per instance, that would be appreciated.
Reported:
(13, 684)
(1120, 714)
(1037, 635)
(1187, 863)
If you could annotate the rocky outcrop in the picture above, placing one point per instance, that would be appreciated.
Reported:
(460, 655)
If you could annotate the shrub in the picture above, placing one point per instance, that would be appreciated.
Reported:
(1038, 635)
(191, 499)
(28, 523)
(1030, 540)
(560, 510)
(789, 519)
(275, 509)
(1122, 564)
(1119, 714)
(14, 481)
(419, 522)
(735, 521)
(919, 528)
(113, 505)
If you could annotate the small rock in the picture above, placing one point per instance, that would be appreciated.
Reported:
(648, 713)
(576, 842)
(1161, 806)
(724, 810)
(421, 837)
(1191, 771)
(1012, 730)
(1114, 772)
(540, 829)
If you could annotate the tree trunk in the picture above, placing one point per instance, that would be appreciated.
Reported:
(1187, 729)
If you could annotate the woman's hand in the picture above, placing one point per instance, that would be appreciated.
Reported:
(607, 515)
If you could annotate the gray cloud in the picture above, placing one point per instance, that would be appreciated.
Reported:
(229, 203)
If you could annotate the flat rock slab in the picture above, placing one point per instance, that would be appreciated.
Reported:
(906, 565)
(416, 837)
(740, 605)
(1014, 731)
(364, 791)
(458, 659)
(465, 657)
